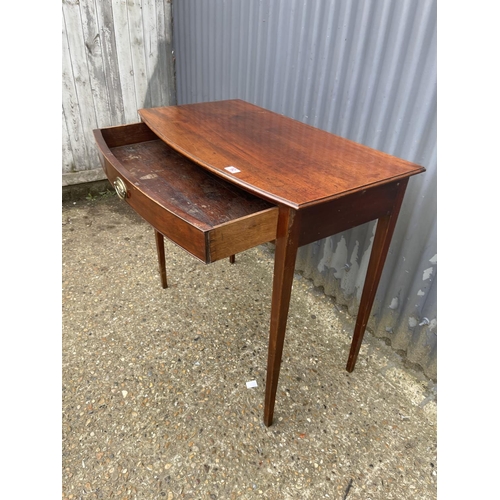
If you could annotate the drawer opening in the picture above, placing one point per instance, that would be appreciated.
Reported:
(205, 214)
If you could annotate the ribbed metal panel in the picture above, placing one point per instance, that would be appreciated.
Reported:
(364, 70)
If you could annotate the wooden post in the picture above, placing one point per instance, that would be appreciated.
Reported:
(160, 250)
(284, 266)
(381, 242)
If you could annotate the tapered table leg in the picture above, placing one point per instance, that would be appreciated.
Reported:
(284, 265)
(381, 242)
(160, 250)
(232, 259)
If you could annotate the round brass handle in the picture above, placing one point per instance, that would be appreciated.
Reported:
(120, 188)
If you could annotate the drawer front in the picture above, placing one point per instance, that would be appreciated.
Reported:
(239, 224)
(170, 225)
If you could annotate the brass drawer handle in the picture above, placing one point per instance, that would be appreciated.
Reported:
(120, 188)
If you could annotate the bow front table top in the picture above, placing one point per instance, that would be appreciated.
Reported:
(218, 178)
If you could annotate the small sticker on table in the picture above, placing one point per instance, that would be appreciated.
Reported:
(252, 383)
(232, 169)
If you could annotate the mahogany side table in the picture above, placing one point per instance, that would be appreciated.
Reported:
(220, 177)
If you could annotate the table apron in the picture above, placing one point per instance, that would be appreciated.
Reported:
(331, 217)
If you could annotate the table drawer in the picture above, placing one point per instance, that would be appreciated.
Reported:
(204, 214)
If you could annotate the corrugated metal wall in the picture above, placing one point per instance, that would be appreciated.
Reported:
(361, 69)
(116, 58)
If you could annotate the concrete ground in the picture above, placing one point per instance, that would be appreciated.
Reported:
(155, 398)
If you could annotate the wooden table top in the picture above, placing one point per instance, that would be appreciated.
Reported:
(275, 157)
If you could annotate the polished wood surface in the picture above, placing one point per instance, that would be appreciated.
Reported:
(383, 234)
(160, 251)
(337, 215)
(287, 243)
(174, 182)
(220, 177)
(207, 216)
(278, 158)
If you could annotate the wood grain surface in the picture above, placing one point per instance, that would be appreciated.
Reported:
(205, 215)
(281, 159)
